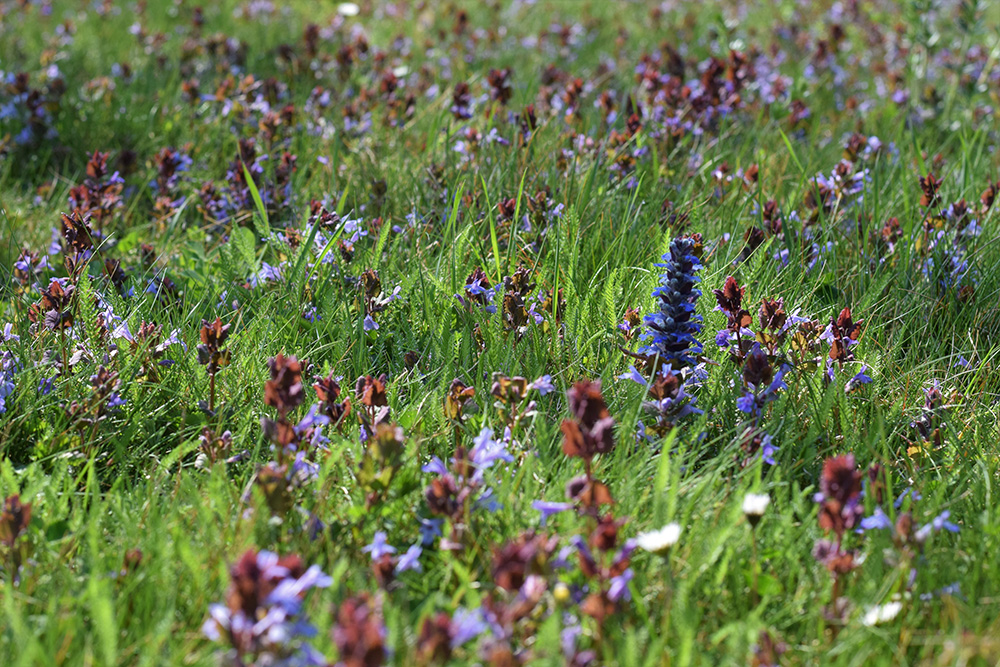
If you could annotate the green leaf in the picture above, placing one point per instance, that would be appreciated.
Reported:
(56, 530)
(260, 220)
(245, 243)
(493, 230)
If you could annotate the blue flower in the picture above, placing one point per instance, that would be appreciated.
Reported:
(488, 501)
(430, 529)
(747, 404)
(619, 586)
(937, 524)
(263, 619)
(877, 521)
(436, 466)
(45, 385)
(466, 626)
(7, 335)
(674, 325)
(940, 522)
(543, 385)
(767, 450)
(486, 451)
(859, 379)
(915, 495)
(634, 375)
(548, 508)
(379, 546)
(410, 560)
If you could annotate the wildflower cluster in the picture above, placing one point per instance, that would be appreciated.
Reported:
(460, 488)
(262, 620)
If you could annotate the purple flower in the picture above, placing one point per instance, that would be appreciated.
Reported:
(940, 522)
(312, 420)
(673, 326)
(8, 336)
(561, 561)
(267, 273)
(172, 339)
(410, 560)
(288, 594)
(543, 385)
(5, 390)
(370, 324)
(488, 501)
(429, 530)
(915, 495)
(486, 451)
(747, 404)
(877, 521)
(776, 385)
(303, 469)
(619, 586)
(568, 637)
(548, 508)
(475, 288)
(937, 524)
(767, 450)
(859, 379)
(782, 257)
(466, 625)
(379, 547)
(538, 317)
(436, 466)
(634, 375)
(272, 630)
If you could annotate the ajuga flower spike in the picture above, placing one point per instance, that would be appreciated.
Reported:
(673, 326)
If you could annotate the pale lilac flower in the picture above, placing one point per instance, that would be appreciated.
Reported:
(467, 625)
(619, 586)
(548, 508)
(486, 451)
(940, 522)
(543, 385)
(488, 501)
(767, 450)
(436, 466)
(8, 336)
(410, 560)
(877, 521)
(914, 495)
(379, 546)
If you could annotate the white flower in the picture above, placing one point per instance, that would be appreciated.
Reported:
(882, 613)
(659, 541)
(754, 504)
(348, 9)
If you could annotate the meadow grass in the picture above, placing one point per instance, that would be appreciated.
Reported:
(422, 196)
